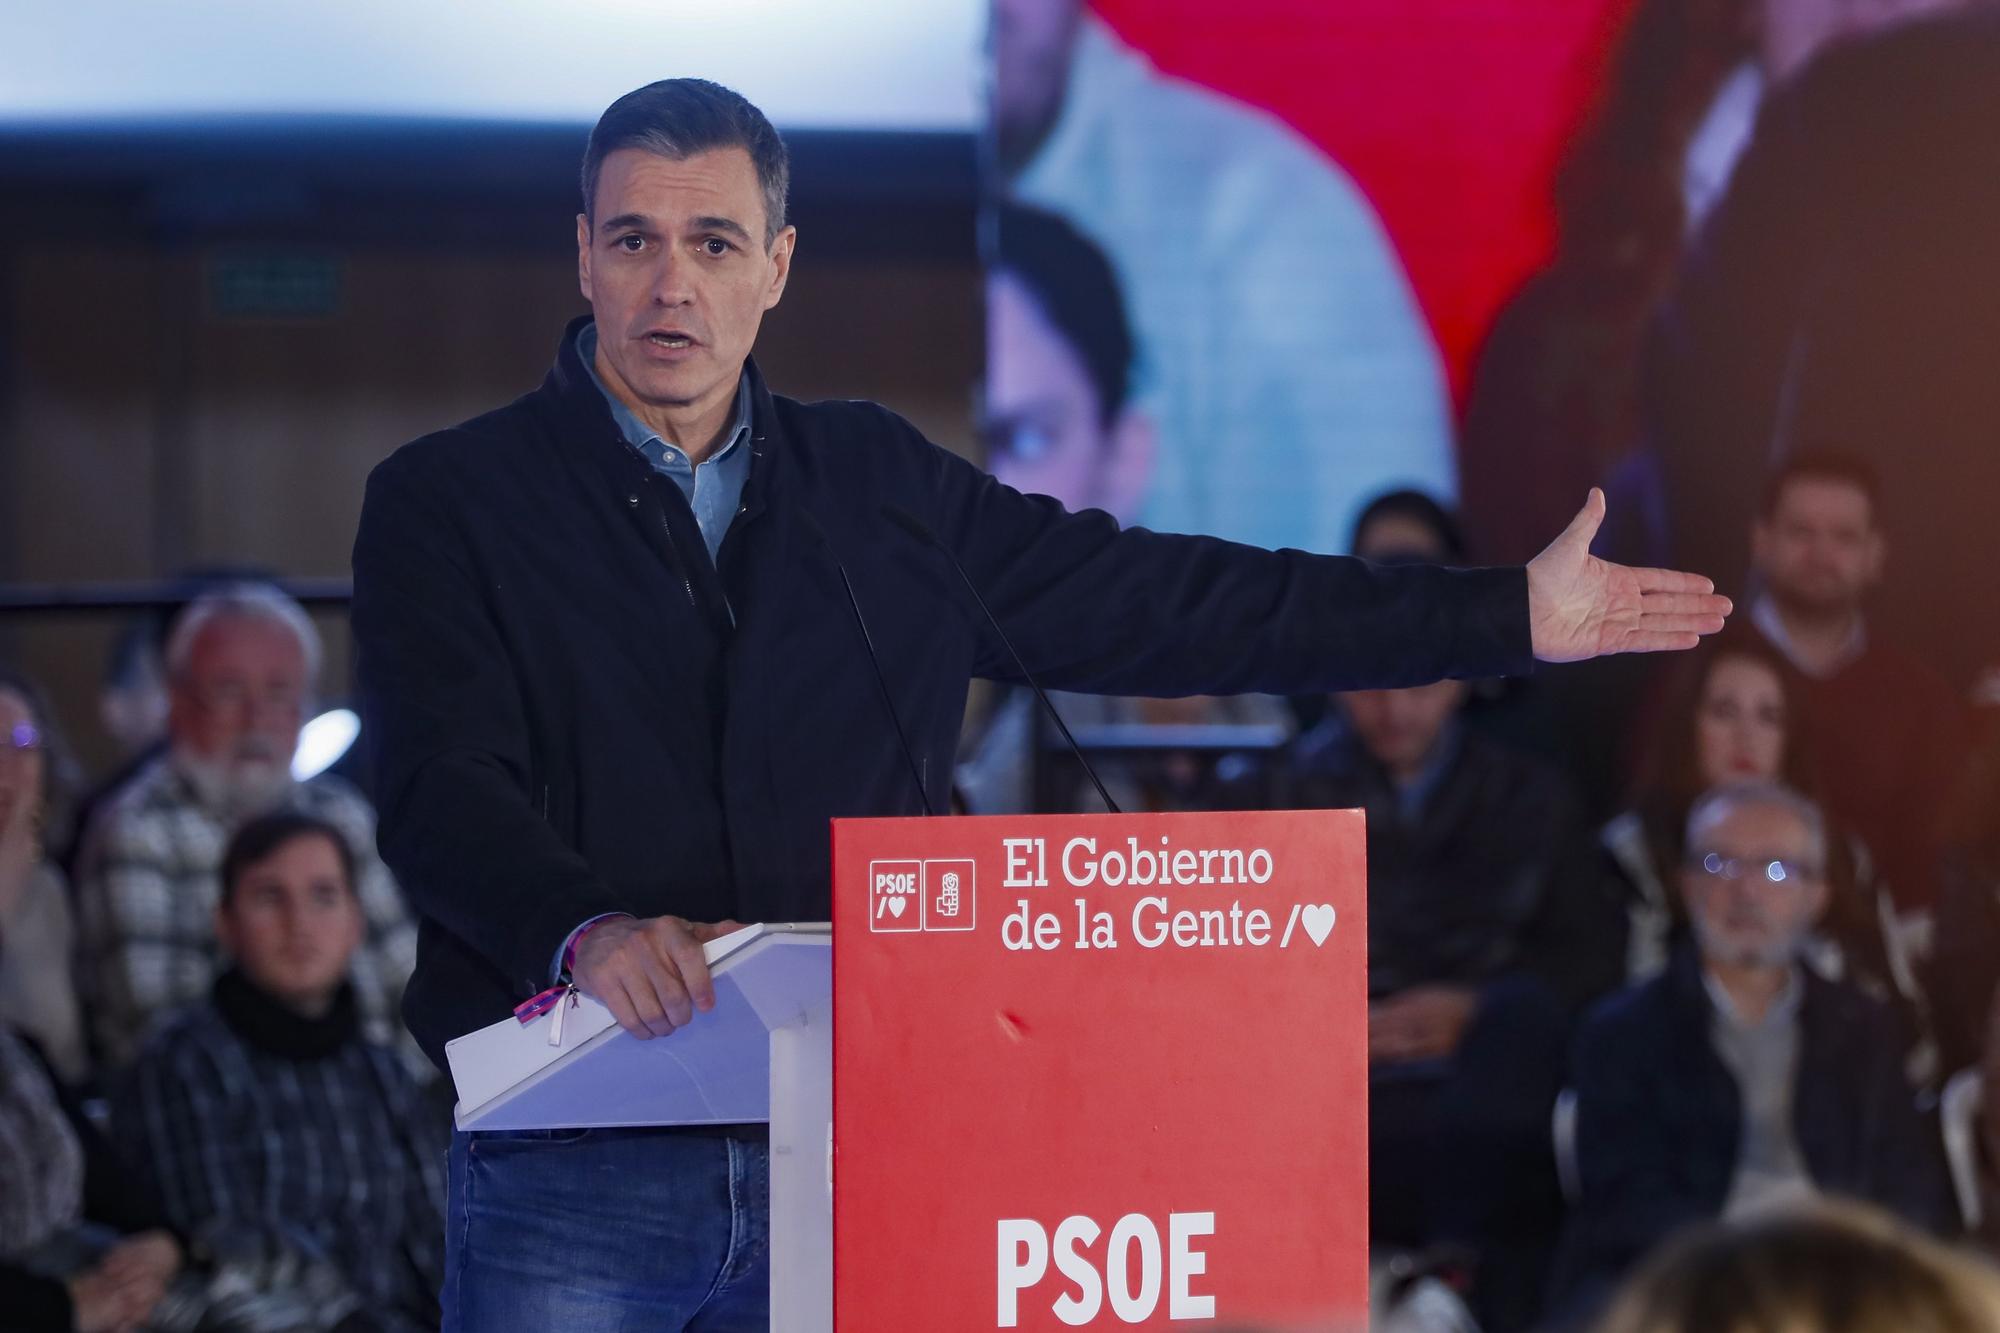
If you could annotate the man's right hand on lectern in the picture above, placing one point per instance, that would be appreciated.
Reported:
(650, 974)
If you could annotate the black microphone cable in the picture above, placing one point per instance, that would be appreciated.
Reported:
(868, 642)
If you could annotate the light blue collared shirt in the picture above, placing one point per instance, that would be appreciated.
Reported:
(714, 488)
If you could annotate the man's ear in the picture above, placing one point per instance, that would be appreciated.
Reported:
(583, 254)
(782, 248)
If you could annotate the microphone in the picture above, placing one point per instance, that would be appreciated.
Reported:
(917, 528)
(868, 642)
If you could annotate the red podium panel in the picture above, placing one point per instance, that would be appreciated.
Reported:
(1100, 1071)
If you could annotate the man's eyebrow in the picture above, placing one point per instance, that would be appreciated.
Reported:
(729, 225)
(627, 222)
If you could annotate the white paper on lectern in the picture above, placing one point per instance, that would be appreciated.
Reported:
(715, 1071)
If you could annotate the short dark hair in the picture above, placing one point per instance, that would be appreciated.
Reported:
(265, 834)
(678, 118)
(1072, 282)
(1823, 463)
(1418, 508)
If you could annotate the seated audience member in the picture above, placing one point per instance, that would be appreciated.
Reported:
(1827, 1268)
(82, 1246)
(86, 1247)
(1890, 733)
(1737, 1079)
(1409, 526)
(1575, 716)
(1478, 863)
(1488, 922)
(1736, 716)
(268, 1120)
(241, 665)
(1060, 420)
(37, 992)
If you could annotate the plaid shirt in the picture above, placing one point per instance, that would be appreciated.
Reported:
(294, 1161)
(147, 884)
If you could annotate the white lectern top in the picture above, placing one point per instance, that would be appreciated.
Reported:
(575, 1068)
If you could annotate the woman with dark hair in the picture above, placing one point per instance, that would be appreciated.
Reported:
(37, 992)
(1733, 717)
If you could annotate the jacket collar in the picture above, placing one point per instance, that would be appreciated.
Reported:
(1692, 998)
(583, 417)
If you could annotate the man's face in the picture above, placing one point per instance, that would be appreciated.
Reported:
(235, 711)
(1043, 418)
(293, 922)
(1818, 551)
(1400, 728)
(673, 262)
(1032, 41)
(1749, 916)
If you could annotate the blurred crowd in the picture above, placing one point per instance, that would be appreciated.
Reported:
(209, 1116)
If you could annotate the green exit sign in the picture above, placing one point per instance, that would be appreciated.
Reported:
(264, 284)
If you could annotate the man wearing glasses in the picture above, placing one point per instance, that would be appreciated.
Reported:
(1739, 1079)
(242, 664)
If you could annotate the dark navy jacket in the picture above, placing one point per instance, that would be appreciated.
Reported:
(1495, 873)
(1659, 1118)
(563, 720)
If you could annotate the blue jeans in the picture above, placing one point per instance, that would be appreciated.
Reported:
(607, 1231)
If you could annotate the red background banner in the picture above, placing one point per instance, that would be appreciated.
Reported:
(1450, 114)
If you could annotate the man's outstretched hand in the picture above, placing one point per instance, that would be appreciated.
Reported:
(1580, 606)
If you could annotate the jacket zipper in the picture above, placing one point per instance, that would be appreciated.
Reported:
(687, 584)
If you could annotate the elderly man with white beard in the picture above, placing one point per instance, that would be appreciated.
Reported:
(241, 664)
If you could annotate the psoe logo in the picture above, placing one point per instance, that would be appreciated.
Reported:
(1127, 1269)
(896, 895)
(950, 895)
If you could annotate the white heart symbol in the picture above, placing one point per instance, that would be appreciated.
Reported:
(1317, 918)
(895, 906)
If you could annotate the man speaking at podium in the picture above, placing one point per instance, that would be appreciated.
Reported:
(615, 688)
